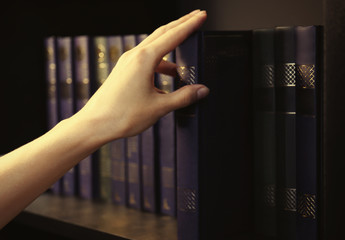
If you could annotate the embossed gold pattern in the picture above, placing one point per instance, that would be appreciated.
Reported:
(267, 76)
(306, 76)
(187, 200)
(289, 199)
(307, 206)
(187, 74)
(286, 75)
(270, 195)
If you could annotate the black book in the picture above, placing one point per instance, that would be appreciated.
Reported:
(214, 138)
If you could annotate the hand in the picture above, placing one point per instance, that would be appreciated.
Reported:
(128, 103)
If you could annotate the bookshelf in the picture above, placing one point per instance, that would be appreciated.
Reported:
(23, 111)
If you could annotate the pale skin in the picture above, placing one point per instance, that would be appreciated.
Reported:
(125, 105)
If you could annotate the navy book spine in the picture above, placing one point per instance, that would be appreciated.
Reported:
(307, 125)
(52, 88)
(264, 133)
(82, 78)
(214, 141)
(66, 100)
(285, 86)
(166, 135)
(117, 147)
(133, 156)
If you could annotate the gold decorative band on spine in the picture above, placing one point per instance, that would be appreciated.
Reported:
(187, 200)
(289, 199)
(270, 196)
(306, 76)
(307, 206)
(267, 78)
(187, 74)
(286, 75)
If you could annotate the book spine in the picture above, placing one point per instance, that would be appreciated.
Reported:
(264, 132)
(133, 157)
(167, 148)
(66, 99)
(52, 88)
(307, 82)
(82, 95)
(187, 146)
(117, 147)
(285, 85)
(101, 73)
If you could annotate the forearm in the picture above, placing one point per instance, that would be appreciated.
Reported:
(28, 171)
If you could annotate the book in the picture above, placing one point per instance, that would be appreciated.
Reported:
(101, 72)
(285, 89)
(214, 137)
(264, 133)
(166, 138)
(308, 80)
(52, 88)
(82, 76)
(117, 147)
(66, 98)
(149, 167)
(133, 158)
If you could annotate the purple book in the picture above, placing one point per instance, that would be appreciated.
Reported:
(82, 95)
(167, 149)
(117, 147)
(65, 81)
(214, 141)
(52, 88)
(133, 158)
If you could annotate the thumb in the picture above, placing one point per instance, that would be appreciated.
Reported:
(185, 96)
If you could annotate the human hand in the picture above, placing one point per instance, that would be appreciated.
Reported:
(128, 103)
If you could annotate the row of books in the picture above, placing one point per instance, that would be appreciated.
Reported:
(245, 160)
(139, 171)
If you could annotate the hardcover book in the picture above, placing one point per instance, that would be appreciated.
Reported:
(166, 135)
(133, 157)
(285, 86)
(101, 65)
(118, 147)
(214, 138)
(308, 80)
(82, 76)
(264, 133)
(66, 98)
(52, 88)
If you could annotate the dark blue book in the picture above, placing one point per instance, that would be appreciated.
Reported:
(82, 76)
(133, 157)
(52, 88)
(66, 98)
(285, 86)
(214, 138)
(264, 133)
(117, 147)
(308, 80)
(166, 135)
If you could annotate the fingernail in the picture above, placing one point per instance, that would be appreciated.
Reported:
(202, 92)
(203, 12)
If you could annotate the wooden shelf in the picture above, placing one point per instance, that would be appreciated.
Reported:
(82, 219)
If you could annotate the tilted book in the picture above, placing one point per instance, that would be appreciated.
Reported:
(117, 147)
(264, 133)
(308, 80)
(214, 138)
(166, 134)
(285, 86)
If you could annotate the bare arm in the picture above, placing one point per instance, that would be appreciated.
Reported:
(125, 105)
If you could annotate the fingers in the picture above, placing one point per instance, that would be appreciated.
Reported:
(167, 68)
(184, 96)
(161, 30)
(175, 36)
